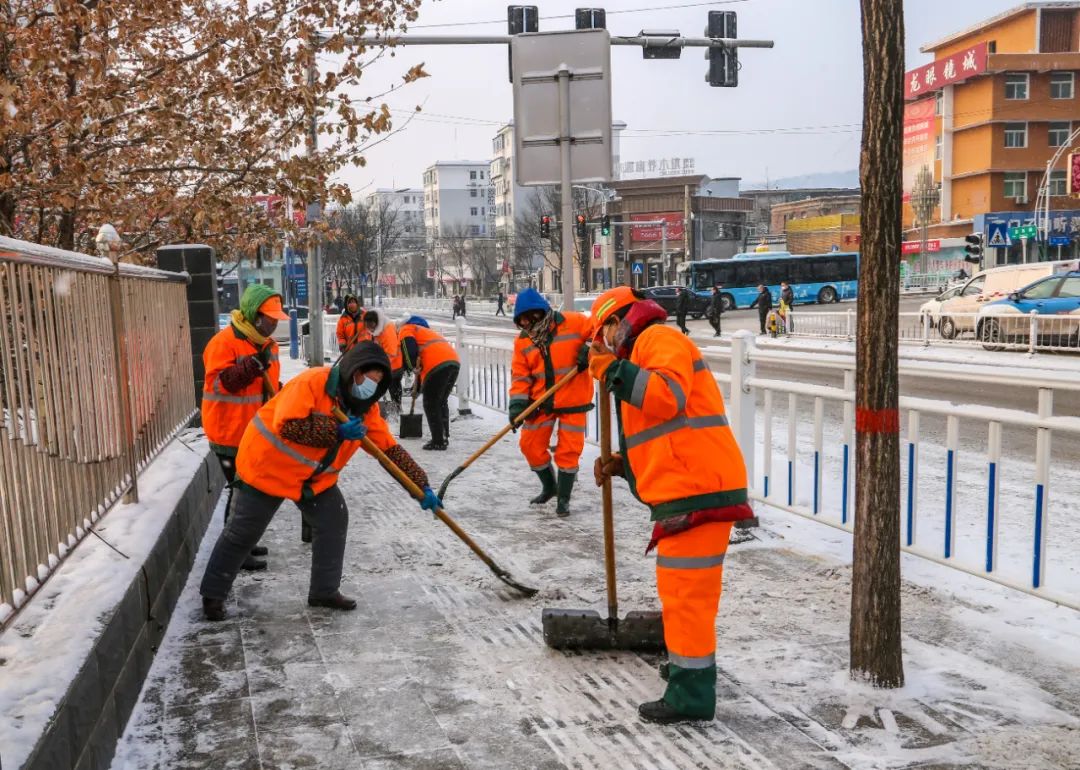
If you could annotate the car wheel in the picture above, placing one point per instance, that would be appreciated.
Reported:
(990, 335)
(727, 302)
(696, 316)
(827, 296)
(947, 328)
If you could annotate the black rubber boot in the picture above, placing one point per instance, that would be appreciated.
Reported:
(660, 712)
(335, 602)
(213, 609)
(259, 550)
(566, 486)
(251, 564)
(547, 478)
(305, 532)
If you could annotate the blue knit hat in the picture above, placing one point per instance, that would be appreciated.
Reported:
(529, 299)
(417, 321)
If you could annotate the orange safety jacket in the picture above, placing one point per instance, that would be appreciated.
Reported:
(430, 350)
(388, 341)
(351, 330)
(225, 415)
(283, 468)
(679, 453)
(534, 371)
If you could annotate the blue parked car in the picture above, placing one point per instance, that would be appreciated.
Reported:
(1008, 321)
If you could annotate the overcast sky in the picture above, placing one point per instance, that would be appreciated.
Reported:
(796, 111)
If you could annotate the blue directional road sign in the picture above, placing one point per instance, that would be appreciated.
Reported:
(638, 268)
(1060, 240)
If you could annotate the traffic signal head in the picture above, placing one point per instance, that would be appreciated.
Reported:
(605, 226)
(974, 249)
(590, 18)
(545, 226)
(581, 229)
(723, 62)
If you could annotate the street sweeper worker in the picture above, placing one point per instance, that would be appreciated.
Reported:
(426, 352)
(350, 326)
(294, 449)
(550, 346)
(235, 360)
(385, 333)
(680, 458)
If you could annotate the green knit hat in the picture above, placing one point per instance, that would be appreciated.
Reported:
(254, 295)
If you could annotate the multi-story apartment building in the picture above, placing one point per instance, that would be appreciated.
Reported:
(405, 260)
(459, 215)
(985, 118)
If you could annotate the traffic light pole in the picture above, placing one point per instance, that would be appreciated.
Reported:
(567, 241)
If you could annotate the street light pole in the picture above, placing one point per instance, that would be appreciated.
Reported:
(566, 190)
(314, 213)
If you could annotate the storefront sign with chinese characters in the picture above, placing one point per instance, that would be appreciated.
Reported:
(654, 168)
(915, 247)
(944, 72)
(653, 233)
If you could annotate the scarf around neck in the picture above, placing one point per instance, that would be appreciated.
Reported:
(247, 328)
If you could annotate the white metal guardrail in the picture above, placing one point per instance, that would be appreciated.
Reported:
(798, 441)
(95, 379)
(1031, 333)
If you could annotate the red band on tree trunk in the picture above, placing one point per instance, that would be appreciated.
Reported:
(877, 421)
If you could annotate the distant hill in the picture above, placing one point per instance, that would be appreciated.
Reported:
(823, 179)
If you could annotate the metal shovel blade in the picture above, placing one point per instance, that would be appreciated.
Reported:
(412, 426)
(639, 631)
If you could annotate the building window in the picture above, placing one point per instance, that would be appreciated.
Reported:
(472, 192)
(937, 148)
(1062, 85)
(472, 175)
(1016, 184)
(472, 211)
(481, 174)
(938, 99)
(1016, 135)
(1016, 85)
(1057, 183)
(1058, 134)
(483, 211)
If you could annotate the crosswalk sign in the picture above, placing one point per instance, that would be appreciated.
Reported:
(999, 235)
(639, 268)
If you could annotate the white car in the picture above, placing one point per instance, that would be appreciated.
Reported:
(932, 307)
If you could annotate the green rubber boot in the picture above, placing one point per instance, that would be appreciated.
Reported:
(566, 486)
(547, 478)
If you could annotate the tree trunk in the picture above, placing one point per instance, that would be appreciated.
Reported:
(875, 587)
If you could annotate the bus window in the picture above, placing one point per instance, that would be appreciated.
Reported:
(799, 271)
(849, 268)
(747, 273)
(775, 272)
(724, 275)
(825, 270)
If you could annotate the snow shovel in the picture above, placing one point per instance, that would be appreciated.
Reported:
(639, 631)
(412, 425)
(513, 426)
(442, 515)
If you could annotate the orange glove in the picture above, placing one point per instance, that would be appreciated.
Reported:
(600, 358)
(613, 467)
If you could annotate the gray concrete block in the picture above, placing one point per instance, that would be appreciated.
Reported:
(55, 749)
(84, 702)
(203, 314)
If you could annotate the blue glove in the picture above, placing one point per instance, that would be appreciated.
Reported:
(430, 501)
(353, 430)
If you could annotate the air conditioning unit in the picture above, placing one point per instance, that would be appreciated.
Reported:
(1020, 199)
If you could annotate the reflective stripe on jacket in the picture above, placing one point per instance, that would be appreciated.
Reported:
(430, 350)
(225, 415)
(283, 468)
(680, 453)
(534, 372)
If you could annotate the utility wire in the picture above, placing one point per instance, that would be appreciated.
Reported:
(571, 16)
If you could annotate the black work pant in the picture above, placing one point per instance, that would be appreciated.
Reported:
(326, 514)
(714, 321)
(499, 310)
(763, 316)
(680, 319)
(436, 389)
(228, 468)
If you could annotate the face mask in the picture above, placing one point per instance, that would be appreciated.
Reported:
(364, 390)
(265, 324)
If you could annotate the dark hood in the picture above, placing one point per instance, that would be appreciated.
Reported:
(359, 307)
(365, 355)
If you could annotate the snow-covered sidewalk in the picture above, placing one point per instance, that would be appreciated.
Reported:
(442, 667)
